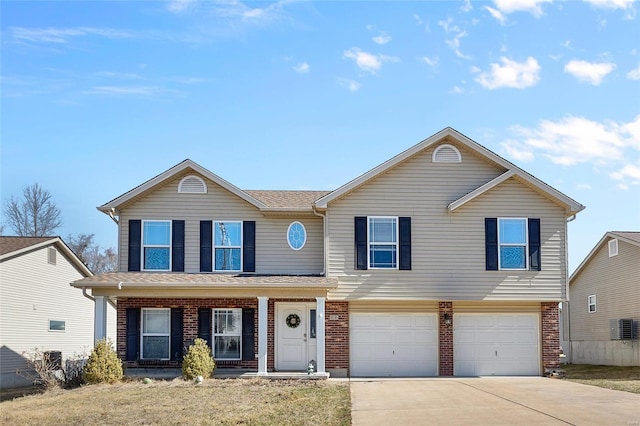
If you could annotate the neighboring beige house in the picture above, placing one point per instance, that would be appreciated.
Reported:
(605, 289)
(38, 308)
(444, 260)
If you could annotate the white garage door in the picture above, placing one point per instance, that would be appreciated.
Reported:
(399, 345)
(501, 345)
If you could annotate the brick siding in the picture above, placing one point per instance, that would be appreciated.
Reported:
(550, 335)
(445, 365)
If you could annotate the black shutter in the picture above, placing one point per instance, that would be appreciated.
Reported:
(248, 329)
(404, 261)
(206, 245)
(135, 237)
(535, 263)
(204, 325)
(249, 246)
(177, 339)
(177, 246)
(360, 251)
(133, 334)
(491, 243)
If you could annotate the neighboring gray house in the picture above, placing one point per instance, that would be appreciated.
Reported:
(604, 307)
(443, 260)
(38, 307)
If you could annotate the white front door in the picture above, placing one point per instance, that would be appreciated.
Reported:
(295, 343)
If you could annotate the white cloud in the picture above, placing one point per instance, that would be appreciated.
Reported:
(351, 85)
(457, 90)
(417, 19)
(125, 91)
(511, 74)
(177, 6)
(382, 38)
(590, 72)
(454, 43)
(499, 16)
(584, 186)
(432, 62)
(466, 6)
(577, 140)
(531, 6)
(302, 68)
(634, 74)
(611, 4)
(368, 61)
(64, 35)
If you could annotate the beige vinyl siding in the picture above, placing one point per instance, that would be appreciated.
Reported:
(273, 254)
(467, 307)
(616, 283)
(393, 306)
(448, 253)
(32, 293)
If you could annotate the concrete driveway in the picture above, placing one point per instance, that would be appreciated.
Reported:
(489, 401)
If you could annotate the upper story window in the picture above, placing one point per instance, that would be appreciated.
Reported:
(591, 303)
(55, 325)
(156, 245)
(512, 237)
(383, 242)
(613, 247)
(296, 235)
(227, 246)
(156, 331)
(192, 185)
(446, 154)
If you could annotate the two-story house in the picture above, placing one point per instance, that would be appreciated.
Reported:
(444, 260)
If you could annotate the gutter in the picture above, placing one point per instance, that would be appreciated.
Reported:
(324, 231)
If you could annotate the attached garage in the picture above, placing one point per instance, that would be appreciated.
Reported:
(394, 344)
(496, 344)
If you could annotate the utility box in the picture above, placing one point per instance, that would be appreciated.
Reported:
(623, 329)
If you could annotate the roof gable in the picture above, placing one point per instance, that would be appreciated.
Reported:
(570, 205)
(628, 237)
(11, 247)
(170, 174)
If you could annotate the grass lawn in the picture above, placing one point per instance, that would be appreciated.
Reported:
(610, 377)
(216, 401)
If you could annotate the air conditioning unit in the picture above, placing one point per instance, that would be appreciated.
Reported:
(623, 329)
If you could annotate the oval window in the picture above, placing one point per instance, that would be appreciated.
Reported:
(296, 235)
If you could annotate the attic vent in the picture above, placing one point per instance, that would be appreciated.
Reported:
(51, 256)
(622, 329)
(192, 185)
(613, 248)
(446, 154)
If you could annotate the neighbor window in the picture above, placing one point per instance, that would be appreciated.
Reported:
(383, 242)
(613, 248)
(591, 302)
(156, 329)
(51, 256)
(56, 325)
(156, 245)
(227, 333)
(512, 238)
(228, 246)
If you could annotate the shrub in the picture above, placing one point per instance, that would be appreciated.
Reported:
(198, 361)
(103, 365)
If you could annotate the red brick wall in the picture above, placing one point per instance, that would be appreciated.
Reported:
(190, 322)
(337, 335)
(446, 339)
(550, 335)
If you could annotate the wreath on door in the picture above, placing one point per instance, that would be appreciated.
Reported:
(293, 321)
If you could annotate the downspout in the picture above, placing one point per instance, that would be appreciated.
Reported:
(93, 299)
(324, 231)
(566, 309)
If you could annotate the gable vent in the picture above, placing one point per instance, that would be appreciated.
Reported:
(192, 185)
(446, 154)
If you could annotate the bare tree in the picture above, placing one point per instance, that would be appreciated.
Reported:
(35, 215)
(91, 254)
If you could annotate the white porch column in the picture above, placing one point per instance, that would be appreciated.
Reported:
(263, 308)
(320, 368)
(100, 319)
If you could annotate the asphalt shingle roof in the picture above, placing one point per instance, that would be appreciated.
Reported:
(287, 199)
(10, 244)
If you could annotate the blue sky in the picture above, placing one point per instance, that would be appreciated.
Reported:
(98, 97)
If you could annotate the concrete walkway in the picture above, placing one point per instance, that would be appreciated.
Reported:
(489, 401)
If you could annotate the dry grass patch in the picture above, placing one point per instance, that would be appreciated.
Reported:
(220, 402)
(605, 376)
